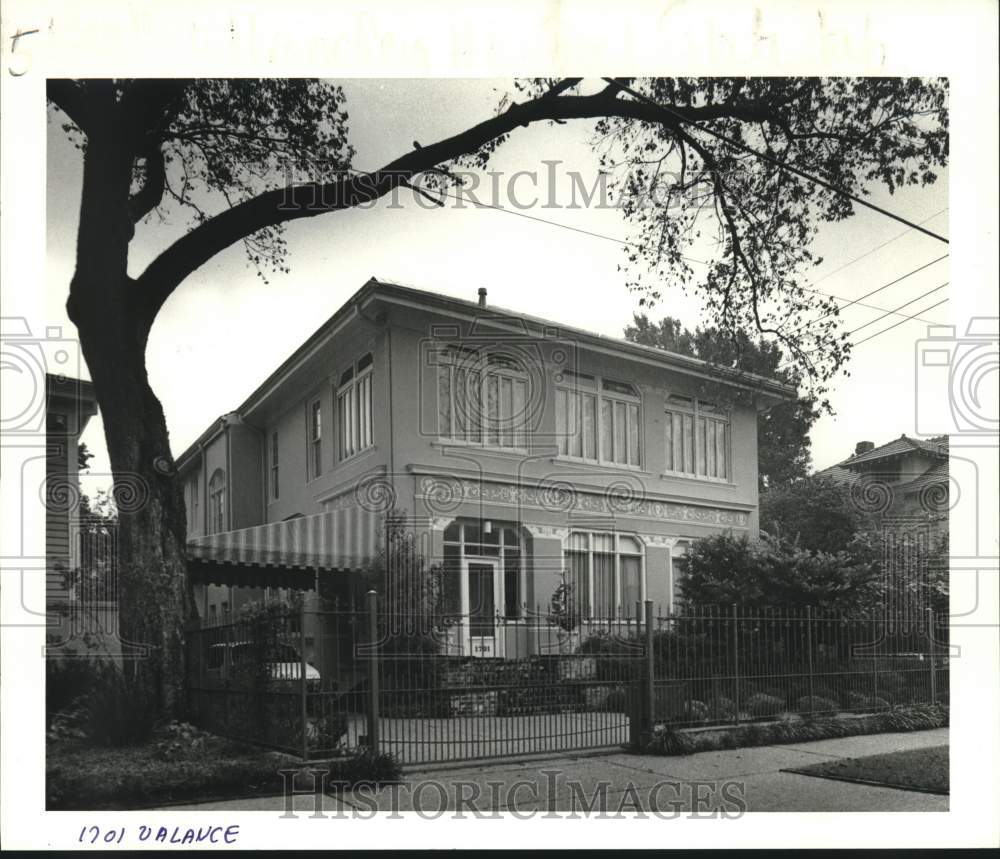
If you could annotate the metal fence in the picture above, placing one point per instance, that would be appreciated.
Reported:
(720, 666)
(319, 683)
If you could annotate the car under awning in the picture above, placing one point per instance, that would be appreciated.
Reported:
(289, 554)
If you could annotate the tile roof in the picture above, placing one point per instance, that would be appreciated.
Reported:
(904, 444)
(938, 474)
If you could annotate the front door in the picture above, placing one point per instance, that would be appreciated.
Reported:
(483, 586)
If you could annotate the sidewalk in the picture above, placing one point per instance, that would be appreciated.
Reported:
(709, 783)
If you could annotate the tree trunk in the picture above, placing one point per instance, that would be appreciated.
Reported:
(154, 593)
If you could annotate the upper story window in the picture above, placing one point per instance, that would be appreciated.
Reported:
(599, 420)
(274, 466)
(354, 408)
(605, 572)
(315, 439)
(217, 502)
(193, 523)
(697, 439)
(482, 398)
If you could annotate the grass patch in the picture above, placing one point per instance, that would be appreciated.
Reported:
(670, 741)
(84, 777)
(915, 769)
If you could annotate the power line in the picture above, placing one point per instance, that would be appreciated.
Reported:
(897, 324)
(894, 310)
(877, 248)
(777, 163)
(879, 289)
(627, 243)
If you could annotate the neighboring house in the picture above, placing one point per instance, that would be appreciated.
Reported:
(70, 404)
(904, 487)
(525, 452)
(904, 484)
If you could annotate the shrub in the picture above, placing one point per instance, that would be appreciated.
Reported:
(815, 704)
(111, 713)
(760, 704)
(859, 701)
(179, 741)
(68, 680)
(893, 721)
(617, 658)
(666, 741)
(724, 708)
(368, 767)
(696, 711)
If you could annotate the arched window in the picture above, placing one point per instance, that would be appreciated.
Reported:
(599, 420)
(605, 570)
(482, 397)
(217, 502)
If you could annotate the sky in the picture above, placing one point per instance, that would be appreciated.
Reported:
(224, 330)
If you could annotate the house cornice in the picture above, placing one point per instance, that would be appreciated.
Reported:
(373, 291)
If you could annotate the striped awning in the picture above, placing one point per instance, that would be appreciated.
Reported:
(337, 540)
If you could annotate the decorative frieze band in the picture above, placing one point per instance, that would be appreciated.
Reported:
(444, 495)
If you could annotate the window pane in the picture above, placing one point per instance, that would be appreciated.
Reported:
(506, 412)
(561, 420)
(678, 441)
(461, 413)
(710, 448)
(577, 447)
(607, 430)
(475, 400)
(589, 427)
(688, 421)
(722, 450)
(619, 453)
(577, 578)
(700, 446)
(512, 583)
(492, 428)
(444, 401)
(518, 416)
(630, 587)
(604, 585)
(451, 580)
(669, 441)
(633, 434)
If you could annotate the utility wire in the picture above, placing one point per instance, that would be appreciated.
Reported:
(897, 324)
(876, 248)
(772, 160)
(896, 309)
(625, 242)
(902, 277)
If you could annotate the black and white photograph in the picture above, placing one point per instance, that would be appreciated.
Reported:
(391, 434)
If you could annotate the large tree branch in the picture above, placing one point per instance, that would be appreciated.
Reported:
(69, 97)
(307, 200)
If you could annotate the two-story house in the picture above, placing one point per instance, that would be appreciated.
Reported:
(527, 453)
(903, 484)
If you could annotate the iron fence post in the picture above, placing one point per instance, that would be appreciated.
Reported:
(303, 690)
(373, 668)
(930, 648)
(650, 703)
(809, 651)
(736, 663)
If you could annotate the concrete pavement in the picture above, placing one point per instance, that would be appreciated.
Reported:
(708, 784)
